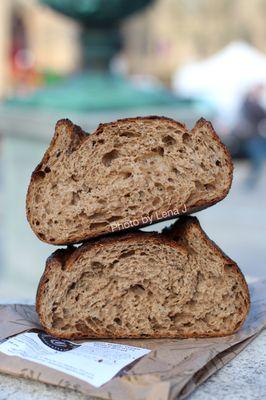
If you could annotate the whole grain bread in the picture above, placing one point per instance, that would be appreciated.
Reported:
(127, 173)
(174, 284)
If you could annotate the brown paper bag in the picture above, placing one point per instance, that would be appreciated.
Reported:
(172, 370)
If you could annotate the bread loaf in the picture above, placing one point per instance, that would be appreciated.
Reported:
(126, 174)
(174, 284)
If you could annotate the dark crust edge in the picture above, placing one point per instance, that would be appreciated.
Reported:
(65, 259)
(76, 133)
(76, 130)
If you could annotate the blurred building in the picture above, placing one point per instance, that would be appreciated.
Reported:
(35, 43)
(174, 32)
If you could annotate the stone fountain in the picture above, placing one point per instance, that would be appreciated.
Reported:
(96, 89)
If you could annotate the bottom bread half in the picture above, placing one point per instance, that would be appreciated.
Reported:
(174, 284)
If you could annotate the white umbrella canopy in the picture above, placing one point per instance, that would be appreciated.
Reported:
(223, 78)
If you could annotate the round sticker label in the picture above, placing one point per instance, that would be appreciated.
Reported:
(57, 344)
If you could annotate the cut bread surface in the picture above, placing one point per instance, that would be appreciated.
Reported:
(128, 170)
(174, 284)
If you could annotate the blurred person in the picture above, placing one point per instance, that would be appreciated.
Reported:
(22, 64)
(251, 128)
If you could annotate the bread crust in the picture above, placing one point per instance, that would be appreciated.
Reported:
(80, 136)
(65, 259)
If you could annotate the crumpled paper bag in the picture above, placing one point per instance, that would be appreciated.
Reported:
(172, 370)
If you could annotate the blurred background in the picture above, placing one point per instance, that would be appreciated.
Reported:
(98, 60)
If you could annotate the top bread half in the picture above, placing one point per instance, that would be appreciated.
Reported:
(126, 174)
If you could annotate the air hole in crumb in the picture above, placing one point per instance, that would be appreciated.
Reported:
(58, 154)
(186, 138)
(209, 186)
(86, 188)
(114, 218)
(238, 324)
(118, 321)
(98, 225)
(96, 265)
(72, 286)
(137, 289)
(82, 215)
(159, 150)
(97, 215)
(128, 134)
(127, 175)
(37, 223)
(127, 254)
(74, 178)
(187, 324)
(228, 267)
(108, 158)
(168, 140)
(199, 185)
(175, 170)
(155, 201)
(218, 163)
(159, 186)
(75, 199)
(81, 327)
(39, 174)
(203, 166)
(47, 170)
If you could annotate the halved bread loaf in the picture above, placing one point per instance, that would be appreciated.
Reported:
(128, 173)
(174, 284)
